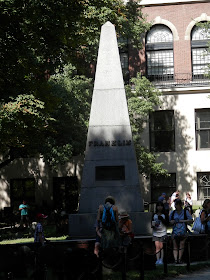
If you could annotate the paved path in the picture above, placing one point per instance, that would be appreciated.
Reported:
(197, 275)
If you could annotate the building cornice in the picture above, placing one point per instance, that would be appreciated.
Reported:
(170, 2)
(184, 90)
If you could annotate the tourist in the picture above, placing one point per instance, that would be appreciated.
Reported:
(174, 196)
(39, 238)
(205, 215)
(166, 204)
(179, 218)
(110, 233)
(24, 219)
(162, 198)
(159, 223)
(125, 228)
(188, 203)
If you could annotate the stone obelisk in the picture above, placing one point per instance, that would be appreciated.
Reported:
(110, 166)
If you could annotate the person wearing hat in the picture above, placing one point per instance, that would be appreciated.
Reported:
(162, 197)
(125, 228)
(39, 238)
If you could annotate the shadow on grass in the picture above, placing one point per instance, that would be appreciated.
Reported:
(158, 273)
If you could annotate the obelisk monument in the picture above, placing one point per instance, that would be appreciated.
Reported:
(110, 166)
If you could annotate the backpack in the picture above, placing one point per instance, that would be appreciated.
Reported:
(185, 214)
(185, 218)
(108, 217)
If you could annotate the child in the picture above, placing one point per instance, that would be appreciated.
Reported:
(39, 238)
(125, 228)
(159, 223)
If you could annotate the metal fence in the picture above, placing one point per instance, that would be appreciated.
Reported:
(180, 80)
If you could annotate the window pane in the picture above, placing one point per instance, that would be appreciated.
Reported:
(203, 183)
(29, 190)
(17, 190)
(164, 141)
(200, 54)
(124, 60)
(22, 189)
(201, 59)
(199, 33)
(203, 128)
(159, 33)
(65, 193)
(203, 119)
(160, 62)
(162, 184)
(204, 139)
(162, 133)
(163, 120)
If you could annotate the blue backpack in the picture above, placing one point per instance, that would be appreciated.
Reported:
(108, 217)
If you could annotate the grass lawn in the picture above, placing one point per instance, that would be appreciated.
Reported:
(158, 273)
(30, 240)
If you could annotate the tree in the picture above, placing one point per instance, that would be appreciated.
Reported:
(37, 37)
(24, 113)
(73, 94)
(141, 102)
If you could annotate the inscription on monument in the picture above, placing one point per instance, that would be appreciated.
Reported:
(109, 143)
(109, 173)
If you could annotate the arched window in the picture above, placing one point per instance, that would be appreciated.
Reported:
(200, 53)
(159, 53)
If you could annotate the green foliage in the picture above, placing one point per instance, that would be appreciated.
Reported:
(23, 124)
(73, 97)
(37, 37)
(141, 102)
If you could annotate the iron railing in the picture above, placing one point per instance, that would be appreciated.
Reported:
(179, 80)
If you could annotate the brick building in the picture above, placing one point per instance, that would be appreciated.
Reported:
(176, 61)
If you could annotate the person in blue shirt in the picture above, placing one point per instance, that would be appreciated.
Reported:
(24, 220)
(179, 219)
(39, 238)
(162, 197)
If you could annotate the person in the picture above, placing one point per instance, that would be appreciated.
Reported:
(125, 229)
(39, 238)
(188, 203)
(24, 219)
(174, 196)
(205, 215)
(166, 204)
(159, 223)
(162, 198)
(179, 219)
(109, 235)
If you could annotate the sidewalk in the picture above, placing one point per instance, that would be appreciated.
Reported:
(197, 275)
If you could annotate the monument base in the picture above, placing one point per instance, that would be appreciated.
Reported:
(83, 225)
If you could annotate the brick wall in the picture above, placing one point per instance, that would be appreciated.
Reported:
(180, 15)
